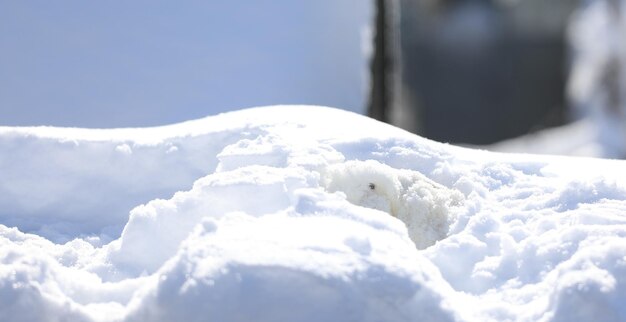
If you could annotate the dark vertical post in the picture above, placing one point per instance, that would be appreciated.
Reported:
(380, 92)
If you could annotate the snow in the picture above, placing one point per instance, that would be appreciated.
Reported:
(302, 213)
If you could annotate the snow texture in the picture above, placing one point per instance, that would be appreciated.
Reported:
(301, 213)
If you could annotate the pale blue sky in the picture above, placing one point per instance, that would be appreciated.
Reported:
(141, 63)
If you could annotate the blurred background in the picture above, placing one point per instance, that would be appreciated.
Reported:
(154, 62)
(506, 75)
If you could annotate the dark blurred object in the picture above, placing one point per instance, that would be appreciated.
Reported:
(381, 65)
(474, 71)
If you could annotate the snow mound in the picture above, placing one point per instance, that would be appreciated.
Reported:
(300, 213)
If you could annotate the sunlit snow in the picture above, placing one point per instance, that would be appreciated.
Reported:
(296, 213)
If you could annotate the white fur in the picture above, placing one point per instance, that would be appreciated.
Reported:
(425, 206)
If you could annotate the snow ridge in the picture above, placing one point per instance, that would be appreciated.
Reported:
(301, 213)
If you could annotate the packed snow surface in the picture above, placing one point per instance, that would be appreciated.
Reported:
(299, 213)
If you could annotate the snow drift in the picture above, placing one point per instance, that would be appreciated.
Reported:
(296, 213)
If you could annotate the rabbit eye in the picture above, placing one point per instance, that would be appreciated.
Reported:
(372, 186)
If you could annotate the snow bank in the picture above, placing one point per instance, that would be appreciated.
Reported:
(295, 213)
